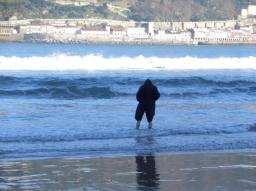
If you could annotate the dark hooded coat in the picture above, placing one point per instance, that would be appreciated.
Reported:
(146, 96)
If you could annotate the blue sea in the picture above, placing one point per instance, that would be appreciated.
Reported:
(60, 100)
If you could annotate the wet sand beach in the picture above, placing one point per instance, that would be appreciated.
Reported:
(165, 172)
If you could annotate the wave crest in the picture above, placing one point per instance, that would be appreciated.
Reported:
(70, 92)
(109, 87)
(97, 62)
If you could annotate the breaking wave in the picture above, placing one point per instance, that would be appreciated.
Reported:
(109, 87)
(92, 62)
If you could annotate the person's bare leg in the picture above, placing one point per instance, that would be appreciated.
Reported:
(150, 125)
(138, 125)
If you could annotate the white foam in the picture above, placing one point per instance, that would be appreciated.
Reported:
(97, 62)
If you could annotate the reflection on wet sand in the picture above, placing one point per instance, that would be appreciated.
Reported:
(147, 176)
(180, 172)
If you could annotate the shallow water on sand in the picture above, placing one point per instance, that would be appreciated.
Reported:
(92, 114)
(183, 172)
(79, 100)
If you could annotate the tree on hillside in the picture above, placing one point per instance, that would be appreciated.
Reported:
(140, 10)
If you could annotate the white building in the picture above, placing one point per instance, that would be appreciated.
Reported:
(244, 13)
(58, 22)
(201, 34)
(137, 33)
(40, 29)
(151, 29)
(117, 32)
(92, 32)
(181, 36)
(7, 30)
(76, 2)
(252, 10)
(48, 29)
(66, 30)
(247, 29)
(96, 32)
(205, 35)
(218, 35)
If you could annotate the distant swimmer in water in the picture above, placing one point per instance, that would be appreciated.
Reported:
(146, 96)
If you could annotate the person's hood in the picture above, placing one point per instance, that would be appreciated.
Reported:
(148, 83)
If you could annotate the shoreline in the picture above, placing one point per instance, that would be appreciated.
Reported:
(201, 171)
(133, 42)
(125, 155)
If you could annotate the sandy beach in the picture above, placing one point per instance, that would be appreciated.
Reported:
(181, 172)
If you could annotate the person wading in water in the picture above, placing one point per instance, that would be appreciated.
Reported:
(146, 96)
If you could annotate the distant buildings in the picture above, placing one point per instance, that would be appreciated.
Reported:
(249, 12)
(48, 29)
(75, 2)
(137, 33)
(242, 30)
(219, 36)
(163, 35)
(117, 32)
(8, 31)
(91, 32)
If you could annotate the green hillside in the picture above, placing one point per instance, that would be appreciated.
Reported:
(138, 10)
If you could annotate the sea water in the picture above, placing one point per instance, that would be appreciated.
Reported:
(60, 100)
